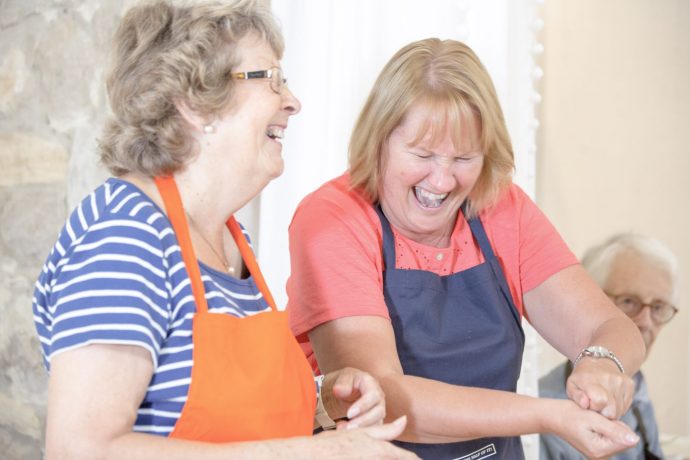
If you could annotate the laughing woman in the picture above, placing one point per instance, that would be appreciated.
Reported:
(419, 264)
(161, 338)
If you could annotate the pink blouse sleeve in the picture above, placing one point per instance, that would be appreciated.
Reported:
(336, 262)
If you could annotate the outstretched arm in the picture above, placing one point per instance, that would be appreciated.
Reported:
(439, 412)
(571, 312)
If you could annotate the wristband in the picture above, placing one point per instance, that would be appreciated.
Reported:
(322, 417)
(596, 351)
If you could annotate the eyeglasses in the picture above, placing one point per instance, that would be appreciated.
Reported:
(631, 305)
(274, 74)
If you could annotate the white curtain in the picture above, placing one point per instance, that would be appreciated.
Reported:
(334, 51)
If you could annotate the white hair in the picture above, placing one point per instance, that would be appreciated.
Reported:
(599, 259)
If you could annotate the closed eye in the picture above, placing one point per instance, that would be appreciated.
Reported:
(421, 154)
(466, 158)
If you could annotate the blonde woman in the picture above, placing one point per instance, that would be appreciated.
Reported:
(419, 264)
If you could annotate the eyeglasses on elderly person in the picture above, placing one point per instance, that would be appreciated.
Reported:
(274, 74)
(661, 312)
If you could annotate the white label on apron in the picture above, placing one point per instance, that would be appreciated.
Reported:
(484, 452)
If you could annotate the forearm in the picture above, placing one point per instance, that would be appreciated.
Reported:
(570, 297)
(439, 412)
(93, 405)
(137, 446)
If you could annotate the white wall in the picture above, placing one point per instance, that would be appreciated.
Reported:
(614, 150)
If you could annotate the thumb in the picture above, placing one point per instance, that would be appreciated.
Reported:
(387, 431)
(580, 398)
(344, 386)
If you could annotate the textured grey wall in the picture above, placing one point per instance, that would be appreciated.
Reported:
(52, 104)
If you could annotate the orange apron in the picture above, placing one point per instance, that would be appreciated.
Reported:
(250, 379)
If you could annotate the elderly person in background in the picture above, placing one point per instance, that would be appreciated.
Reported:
(419, 263)
(159, 333)
(639, 274)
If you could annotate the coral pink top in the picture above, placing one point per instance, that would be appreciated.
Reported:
(337, 264)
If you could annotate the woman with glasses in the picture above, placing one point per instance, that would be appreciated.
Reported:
(160, 335)
(640, 275)
(419, 264)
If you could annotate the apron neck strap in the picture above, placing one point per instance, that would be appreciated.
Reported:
(250, 260)
(388, 239)
(173, 206)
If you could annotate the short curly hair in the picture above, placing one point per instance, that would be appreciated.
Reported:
(163, 53)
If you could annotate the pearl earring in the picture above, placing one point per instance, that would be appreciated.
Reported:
(208, 129)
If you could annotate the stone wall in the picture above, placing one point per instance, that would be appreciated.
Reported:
(52, 105)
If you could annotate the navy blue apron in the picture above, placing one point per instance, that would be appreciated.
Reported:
(462, 329)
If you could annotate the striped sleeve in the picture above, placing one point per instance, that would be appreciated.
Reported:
(110, 286)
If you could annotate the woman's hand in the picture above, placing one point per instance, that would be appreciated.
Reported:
(363, 443)
(589, 432)
(356, 395)
(598, 385)
(570, 297)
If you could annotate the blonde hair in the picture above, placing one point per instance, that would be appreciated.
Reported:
(164, 53)
(448, 78)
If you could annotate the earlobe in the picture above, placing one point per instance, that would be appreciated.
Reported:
(195, 120)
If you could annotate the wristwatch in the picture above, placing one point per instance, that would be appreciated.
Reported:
(322, 417)
(596, 351)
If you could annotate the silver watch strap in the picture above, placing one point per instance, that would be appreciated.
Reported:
(597, 351)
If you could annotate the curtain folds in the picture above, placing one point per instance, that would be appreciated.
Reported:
(334, 51)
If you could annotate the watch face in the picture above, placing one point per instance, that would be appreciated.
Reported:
(598, 352)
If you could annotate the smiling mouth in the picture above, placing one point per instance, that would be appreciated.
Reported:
(275, 132)
(428, 199)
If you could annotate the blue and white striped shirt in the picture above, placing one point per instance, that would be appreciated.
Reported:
(116, 276)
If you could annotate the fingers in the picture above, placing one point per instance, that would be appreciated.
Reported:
(619, 433)
(608, 437)
(600, 388)
(627, 397)
(363, 391)
(387, 431)
(591, 433)
(370, 408)
(369, 442)
(579, 397)
(595, 397)
(618, 403)
(600, 400)
(370, 417)
(344, 385)
(611, 402)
